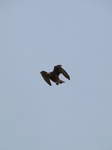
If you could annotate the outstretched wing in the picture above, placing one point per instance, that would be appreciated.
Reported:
(58, 69)
(46, 78)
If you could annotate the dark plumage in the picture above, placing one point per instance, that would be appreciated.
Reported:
(54, 75)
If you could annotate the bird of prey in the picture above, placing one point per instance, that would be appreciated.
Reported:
(54, 75)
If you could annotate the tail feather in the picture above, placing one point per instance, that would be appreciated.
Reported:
(61, 81)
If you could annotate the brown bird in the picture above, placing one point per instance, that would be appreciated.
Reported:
(54, 75)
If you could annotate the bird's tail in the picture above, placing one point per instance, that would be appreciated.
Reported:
(61, 81)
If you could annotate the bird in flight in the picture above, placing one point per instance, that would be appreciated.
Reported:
(54, 75)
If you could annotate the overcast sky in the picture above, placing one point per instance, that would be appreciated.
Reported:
(37, 35)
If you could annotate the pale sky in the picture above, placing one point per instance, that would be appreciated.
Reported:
(36, 36)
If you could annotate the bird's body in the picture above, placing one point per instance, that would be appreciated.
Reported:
(54, 75)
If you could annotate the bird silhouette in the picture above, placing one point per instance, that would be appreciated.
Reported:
(54, 75)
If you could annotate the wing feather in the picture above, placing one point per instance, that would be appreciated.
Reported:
(58, 69)
(46, 78)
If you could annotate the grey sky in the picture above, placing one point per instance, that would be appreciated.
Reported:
(35, 36)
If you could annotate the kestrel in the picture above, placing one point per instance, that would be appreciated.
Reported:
(54, 75)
